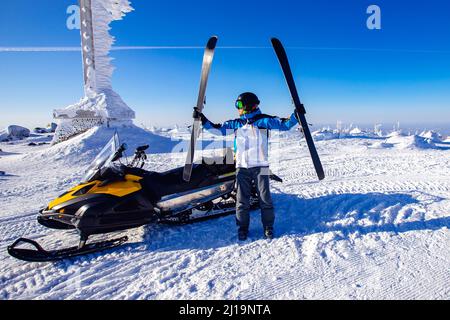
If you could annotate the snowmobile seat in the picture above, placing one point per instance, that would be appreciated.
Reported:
(159, 184)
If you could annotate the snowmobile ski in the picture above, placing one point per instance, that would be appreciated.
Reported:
(299, 107)
(42, 255)
(206, 66)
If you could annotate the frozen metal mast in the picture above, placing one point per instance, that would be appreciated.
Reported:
(101, 105)
(87, 46)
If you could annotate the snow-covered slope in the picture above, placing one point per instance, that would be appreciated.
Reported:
(89, 143)
(376, 227)
(409, 142)
(431, 135)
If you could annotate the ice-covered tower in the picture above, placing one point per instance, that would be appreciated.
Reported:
(101, 104)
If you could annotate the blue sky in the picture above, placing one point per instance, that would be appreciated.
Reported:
(344, 71)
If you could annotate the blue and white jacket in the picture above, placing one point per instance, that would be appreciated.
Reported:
(251, 136)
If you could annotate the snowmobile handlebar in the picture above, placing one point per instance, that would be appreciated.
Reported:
(139, 156)
(119, 152)
(142, 148)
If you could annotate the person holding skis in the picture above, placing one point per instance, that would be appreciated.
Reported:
(251, 151)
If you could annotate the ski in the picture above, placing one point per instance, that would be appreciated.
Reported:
(42, 255)
(188, 219)
(206, 66)
(300, 109)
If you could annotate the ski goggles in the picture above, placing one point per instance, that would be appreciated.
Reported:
(239, 104)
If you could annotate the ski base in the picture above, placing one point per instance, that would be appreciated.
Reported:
(41, 255)
(180, 220)
(197, 215)
(300, 109)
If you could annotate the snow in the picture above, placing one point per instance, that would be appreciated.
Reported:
(376, 228)
(97, 106)
(413, 141)
(356, 131)
(85, 146)
(14, 132)
(432, 135)
(325, 134)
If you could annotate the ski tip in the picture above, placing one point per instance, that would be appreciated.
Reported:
(186, 176)
(212, 42)
(275, 41)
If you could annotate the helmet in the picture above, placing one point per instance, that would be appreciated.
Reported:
(247, 101)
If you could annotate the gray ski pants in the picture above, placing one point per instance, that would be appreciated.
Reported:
(244, 179)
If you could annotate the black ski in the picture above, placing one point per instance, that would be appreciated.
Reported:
(300, 109)
(206, 66)
(42, 255)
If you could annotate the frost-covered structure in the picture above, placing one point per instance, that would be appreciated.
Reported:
(101, 104)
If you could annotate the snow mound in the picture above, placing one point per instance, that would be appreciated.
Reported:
(410, 142)
(381, 145)
(432, 135)
(397, 133)
(14, 132)
(325, 134)
(179, 130)
(356, 132)
(85, 146)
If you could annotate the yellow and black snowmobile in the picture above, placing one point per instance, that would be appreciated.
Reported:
(114, 196)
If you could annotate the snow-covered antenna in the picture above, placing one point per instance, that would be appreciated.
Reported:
(101, 104)
(339, 125)
(377, 129)
(87, 47)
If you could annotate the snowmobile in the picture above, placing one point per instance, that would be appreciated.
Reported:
(114, 196)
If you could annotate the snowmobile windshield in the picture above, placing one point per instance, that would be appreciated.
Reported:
(103, 159)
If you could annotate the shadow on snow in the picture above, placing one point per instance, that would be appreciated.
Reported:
(296, 216)
(344, 213)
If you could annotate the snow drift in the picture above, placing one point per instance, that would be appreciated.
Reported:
(325, 134)
(14, 132)
(431, 135)
(409, 142)
(85, 146)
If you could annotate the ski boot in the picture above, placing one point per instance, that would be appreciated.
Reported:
(242, 234)
(268, 233)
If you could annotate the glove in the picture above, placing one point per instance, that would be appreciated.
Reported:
(196, 114)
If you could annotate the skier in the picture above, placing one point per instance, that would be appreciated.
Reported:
(251, 151)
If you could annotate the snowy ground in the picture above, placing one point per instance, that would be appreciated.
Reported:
(376, 228)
